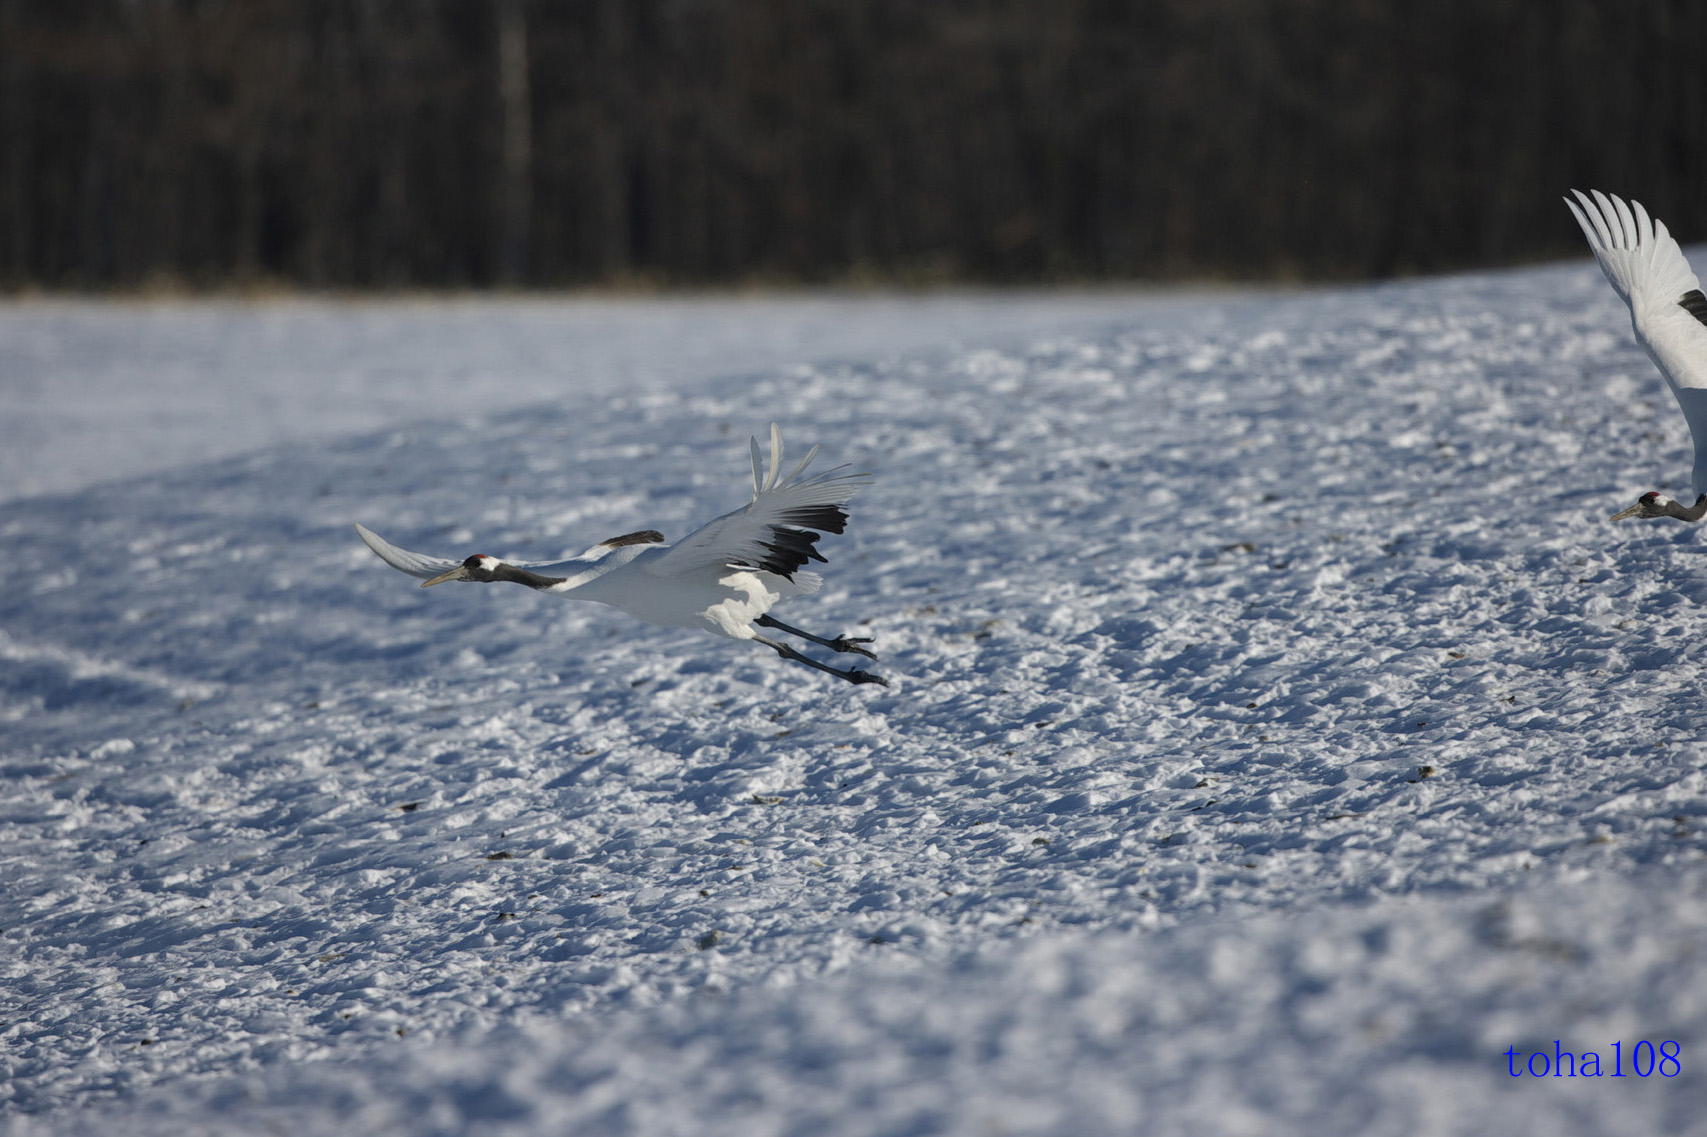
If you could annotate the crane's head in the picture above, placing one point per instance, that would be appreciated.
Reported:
(1650, 504)
(479, 567)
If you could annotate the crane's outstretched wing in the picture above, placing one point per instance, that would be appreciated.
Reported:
(1636, 252)
(415, 564)
(1647, 269)
(778, 530)
(426, 567)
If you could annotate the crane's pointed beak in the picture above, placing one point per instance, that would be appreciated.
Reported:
(460, 572)
(1619, 516)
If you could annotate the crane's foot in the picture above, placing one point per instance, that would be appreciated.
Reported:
(841, 645)
(849, 645)
(852, 675)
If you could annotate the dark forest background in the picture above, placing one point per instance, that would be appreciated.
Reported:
(338, 143)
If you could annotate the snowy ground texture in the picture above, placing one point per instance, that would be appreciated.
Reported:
(1279, 733)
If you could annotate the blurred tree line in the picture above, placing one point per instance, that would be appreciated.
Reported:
(549, 142)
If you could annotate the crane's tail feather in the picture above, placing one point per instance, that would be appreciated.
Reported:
(804, 462)
(765, 482)
(776, 456)
(768, 481)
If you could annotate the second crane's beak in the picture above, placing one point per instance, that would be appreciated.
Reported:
(1619, 516)
(460, 572)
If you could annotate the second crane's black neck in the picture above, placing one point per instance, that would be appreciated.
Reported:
(1694, 513)
(522, 576)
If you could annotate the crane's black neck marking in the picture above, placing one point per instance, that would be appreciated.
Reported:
(1695, 512)
(638, 537)
(522, 576)
(1695, 304)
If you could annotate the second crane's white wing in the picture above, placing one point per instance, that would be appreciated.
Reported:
(1646, 267)
(775, 532)
(1667, 308)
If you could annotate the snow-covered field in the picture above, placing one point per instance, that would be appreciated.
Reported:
(1281, 741)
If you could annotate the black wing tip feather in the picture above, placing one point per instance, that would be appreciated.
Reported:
(793, 542)
(1695, 304)
(826, 518)
(788, 550)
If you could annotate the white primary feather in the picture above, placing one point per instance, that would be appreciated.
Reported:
(1638, 254)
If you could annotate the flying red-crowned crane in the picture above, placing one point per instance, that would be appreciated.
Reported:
(722, 578)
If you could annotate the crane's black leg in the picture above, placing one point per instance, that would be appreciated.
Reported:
(852, 675)
(843, 645)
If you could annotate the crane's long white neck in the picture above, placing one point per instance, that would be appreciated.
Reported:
(569, 585)
(584, 577)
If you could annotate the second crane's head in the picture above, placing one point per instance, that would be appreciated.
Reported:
(479, 567)
(1655, 504)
